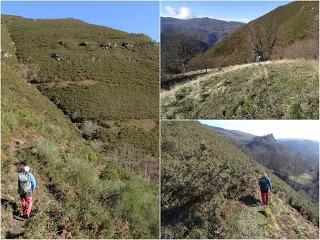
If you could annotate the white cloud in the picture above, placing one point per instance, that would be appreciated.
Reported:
(181, 13)
(244, 20)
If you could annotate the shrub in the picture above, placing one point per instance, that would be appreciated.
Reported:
(29, 72)
(89, 128)
(307, 49)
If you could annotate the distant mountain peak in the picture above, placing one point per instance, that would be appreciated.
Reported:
(267, 141)
(269, 137)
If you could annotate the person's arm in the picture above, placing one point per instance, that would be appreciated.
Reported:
(270, 185)
(33, 182)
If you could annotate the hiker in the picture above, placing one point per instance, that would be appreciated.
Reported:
(258, 58)
(56, 56)
(26, 186)
(265, 187)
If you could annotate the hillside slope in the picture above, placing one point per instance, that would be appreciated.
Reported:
(287, 25)
(298, 169)
(285, 89)
(193, 35)
(88, 74)
(243, 137)
(209, 190)
(104, 80)
(206, 30)
(80, 193)
(303, 146)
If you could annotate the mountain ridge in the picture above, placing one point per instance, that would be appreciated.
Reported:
(293, 22)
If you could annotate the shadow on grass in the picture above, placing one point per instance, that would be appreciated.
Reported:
(250, 201)
(11, 235)
(12, 204)
(263, 213)
(168, 82)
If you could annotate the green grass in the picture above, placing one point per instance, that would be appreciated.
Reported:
(134, 74)
(275, 90)
(81, 193)
(94, 84)
(304, 178)
(205, 181)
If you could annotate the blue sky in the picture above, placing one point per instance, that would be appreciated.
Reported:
(243, 11)
(307, 129)
(134, 17)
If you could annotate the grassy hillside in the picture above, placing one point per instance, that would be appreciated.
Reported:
(289, 24)
(209, 190)
(111, 94)
(100, 74)
(81, 193)
(286, 89)
(243, 137)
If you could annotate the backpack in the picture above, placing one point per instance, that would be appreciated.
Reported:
(24, 184)
(264, 185)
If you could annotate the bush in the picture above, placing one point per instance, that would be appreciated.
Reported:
(29, 72)
(89, 128)
(307, 49)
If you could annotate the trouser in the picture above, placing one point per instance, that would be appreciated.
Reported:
(26, 202)
(264, 197)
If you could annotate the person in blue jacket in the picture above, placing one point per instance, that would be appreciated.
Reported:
(265, 188)
(26, 186)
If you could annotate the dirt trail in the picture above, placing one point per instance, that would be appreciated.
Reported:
(16, 223)
(276, 220)
(61, 84)
(13, 225)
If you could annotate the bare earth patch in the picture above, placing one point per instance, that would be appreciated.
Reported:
(88, 82)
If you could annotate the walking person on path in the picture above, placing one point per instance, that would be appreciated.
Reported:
(26, 186)
(265, 188)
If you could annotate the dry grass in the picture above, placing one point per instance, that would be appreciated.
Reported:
(256, 90)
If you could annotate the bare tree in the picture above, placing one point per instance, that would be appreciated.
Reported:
(177, 50)
(260, 40)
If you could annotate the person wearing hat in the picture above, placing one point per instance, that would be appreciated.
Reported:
(26, 186)
(265, 187)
